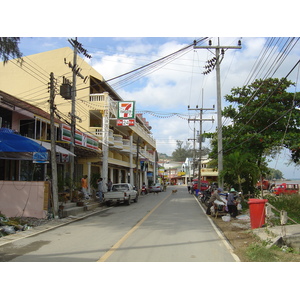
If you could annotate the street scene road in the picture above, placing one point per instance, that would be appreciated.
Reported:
(162, 227)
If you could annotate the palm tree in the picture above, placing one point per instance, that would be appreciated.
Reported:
(238, 168)
(9, 48)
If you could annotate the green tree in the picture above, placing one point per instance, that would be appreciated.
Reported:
(240, 171)
(274, 174)
(265, 117)
(9, 48)
(184, 151)
(181, 152)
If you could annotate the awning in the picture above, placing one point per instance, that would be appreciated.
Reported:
(59, 149)
(15, 146)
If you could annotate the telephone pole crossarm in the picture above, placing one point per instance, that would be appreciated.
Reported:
(217, 47)
(212, 119)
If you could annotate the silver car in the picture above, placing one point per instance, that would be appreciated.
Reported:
(155, 188)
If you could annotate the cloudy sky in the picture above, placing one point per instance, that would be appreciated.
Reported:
(120, 42)
(164, 91)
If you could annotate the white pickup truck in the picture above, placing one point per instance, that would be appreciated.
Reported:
(121, 193)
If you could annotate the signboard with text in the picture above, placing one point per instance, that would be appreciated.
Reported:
(125, 122)
(126, 110)
(81, 139)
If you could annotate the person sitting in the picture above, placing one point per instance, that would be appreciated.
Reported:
(215, 196)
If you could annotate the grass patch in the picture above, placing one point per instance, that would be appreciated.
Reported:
(258, 252)
(288, 203)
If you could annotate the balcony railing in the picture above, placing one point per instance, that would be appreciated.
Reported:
(118, 141)
(104, 102)
(126, 146)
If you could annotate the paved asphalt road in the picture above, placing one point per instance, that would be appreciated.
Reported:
(164, 227)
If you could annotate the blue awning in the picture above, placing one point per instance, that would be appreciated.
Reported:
(14, 146)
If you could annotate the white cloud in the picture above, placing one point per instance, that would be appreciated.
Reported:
(180, 83)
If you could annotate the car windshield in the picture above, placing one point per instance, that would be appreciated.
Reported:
(120, 187)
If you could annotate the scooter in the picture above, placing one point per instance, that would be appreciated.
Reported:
(204, 196)
(144, 191)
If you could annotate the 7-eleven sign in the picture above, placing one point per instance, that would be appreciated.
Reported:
(126, 110)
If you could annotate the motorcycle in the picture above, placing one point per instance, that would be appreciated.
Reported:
(144, 191)
(204, 197)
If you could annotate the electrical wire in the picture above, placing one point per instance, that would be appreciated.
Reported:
(269, 125)
(285, 50)
(288, 122)
(142, 71)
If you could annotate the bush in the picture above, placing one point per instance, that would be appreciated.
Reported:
(289, 203)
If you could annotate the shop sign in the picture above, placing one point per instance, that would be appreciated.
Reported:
(126, 110)
(125, 122)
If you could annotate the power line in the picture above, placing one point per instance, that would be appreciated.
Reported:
(274, 122)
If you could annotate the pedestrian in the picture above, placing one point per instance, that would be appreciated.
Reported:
(109, 185)
(231, 203)
(84, 187)
(214, 196)
(100, 189)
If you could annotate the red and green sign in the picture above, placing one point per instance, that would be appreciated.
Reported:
(81, 139)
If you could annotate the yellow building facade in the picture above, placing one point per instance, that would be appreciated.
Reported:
(124, 153)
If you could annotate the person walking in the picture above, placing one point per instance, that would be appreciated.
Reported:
(109, 185)
(231, 203)
(100, 189)
(84, 187)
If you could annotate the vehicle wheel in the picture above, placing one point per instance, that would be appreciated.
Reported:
(129, 201)
(136, 198)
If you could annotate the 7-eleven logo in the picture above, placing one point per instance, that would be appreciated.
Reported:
(126, 110)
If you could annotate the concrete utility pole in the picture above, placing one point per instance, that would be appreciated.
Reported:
(137, 177)
(215, 63)
(53, 148)
(76, 72)
(194, 150)
(200, 137)
(73, 121)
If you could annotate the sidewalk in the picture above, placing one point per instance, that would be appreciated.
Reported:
(277, 235)
(49, 225)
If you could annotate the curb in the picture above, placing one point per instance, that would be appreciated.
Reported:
(220, 234)
(52, 224)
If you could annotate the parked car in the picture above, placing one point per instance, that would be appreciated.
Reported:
(121, 192)
(204, 184)
(286, 189)
(157, 187)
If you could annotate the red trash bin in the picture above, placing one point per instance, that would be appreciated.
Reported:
(257, 212)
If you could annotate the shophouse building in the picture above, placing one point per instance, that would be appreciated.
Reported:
(104, 146)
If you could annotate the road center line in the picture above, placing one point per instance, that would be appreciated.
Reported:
(126, 236)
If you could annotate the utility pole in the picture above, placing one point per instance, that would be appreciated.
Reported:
(200, 137)
(215, 63)
(73, 121)
(137, 177)
(194, 150)
(53, 147)
(76, 72)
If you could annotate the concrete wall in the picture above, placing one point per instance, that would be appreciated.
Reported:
(23, 198)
